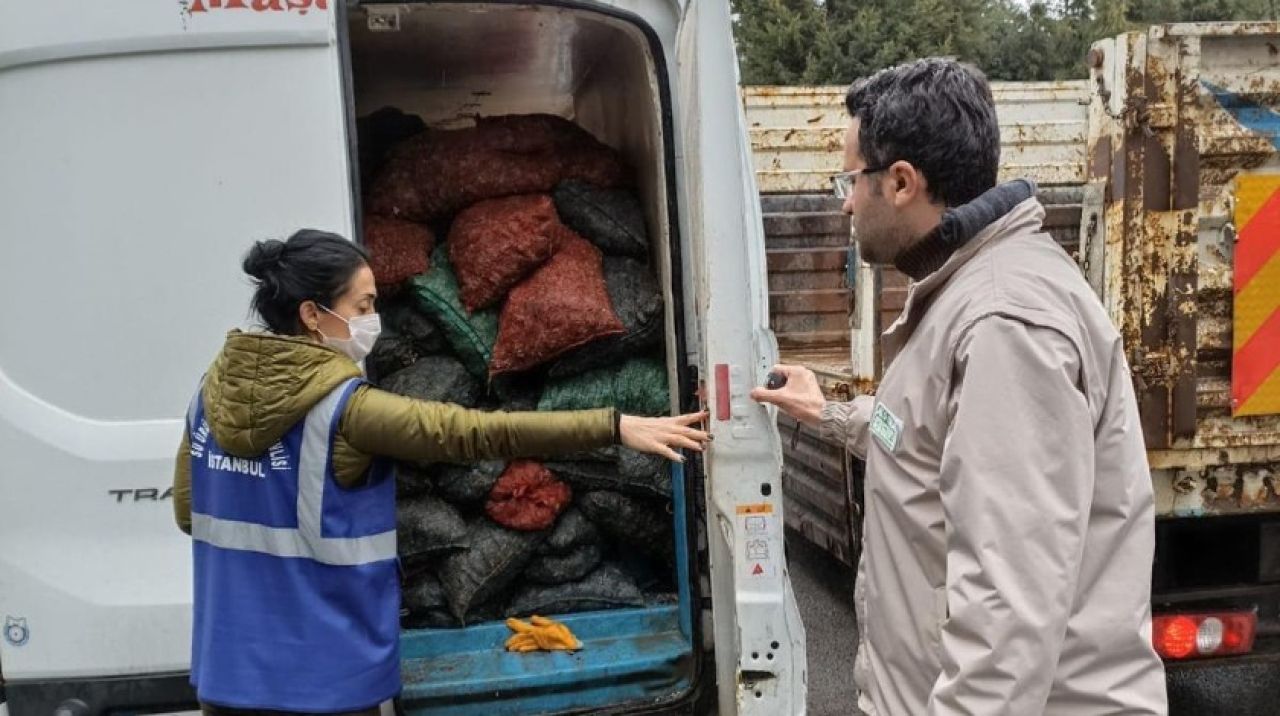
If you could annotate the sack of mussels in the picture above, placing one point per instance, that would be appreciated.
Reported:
(515, 262)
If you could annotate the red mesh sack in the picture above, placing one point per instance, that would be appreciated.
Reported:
(398, 250)
(563, 305)
(440, 172)
(496, 243)
(527, 497)
(528, 133)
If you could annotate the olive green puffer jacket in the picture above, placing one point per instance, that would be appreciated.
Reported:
(261, 385)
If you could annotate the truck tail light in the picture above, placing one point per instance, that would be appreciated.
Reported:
(1190, 636)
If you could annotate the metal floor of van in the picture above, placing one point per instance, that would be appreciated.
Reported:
(628, 656)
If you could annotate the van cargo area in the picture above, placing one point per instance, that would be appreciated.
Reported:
(450, 64)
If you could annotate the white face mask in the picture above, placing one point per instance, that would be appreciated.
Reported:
(364, 333)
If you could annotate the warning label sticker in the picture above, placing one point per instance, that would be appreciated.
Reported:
(760, 545)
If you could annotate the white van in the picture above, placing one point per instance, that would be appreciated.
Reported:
(145, 145)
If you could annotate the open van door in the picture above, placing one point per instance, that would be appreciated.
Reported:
(145, 146)
(759, 639)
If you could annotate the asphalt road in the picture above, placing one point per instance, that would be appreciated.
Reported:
(824, 593)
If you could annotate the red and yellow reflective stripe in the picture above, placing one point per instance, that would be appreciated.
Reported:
(1255, 364)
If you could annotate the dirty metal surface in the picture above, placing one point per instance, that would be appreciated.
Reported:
(807, 250)
(797, 133)
(1239, 87)
(1192, 110)
(1217, 490)
(1183, 266)
(817, 482)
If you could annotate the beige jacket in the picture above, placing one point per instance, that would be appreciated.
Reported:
(1009, 528)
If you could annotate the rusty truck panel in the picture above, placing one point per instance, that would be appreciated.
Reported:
(797, 133)
(807, 245)
(1181, 117)
(819, 479)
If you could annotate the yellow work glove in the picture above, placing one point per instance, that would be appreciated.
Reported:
(541, 634)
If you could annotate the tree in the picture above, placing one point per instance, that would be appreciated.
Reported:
(1026, 46)
(1110, 18)
(836, 41)
(776, 39)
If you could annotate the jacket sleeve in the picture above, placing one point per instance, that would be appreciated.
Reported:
(380, 423)
(1016, 483)
(182, 484)
(848, 423)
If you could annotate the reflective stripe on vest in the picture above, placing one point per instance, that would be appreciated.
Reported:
(306, 541)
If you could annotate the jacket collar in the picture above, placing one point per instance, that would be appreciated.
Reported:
(1025, 217)
(959, 224)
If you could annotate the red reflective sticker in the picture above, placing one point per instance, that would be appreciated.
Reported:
(722, 391)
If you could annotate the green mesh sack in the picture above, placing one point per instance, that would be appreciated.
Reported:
(638, 387)
(471, 335)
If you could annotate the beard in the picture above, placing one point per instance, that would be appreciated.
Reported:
(880, 240)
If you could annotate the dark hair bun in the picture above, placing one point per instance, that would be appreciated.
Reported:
(264, 258)
(319, 267)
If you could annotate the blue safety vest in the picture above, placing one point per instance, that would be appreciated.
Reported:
(297, 597)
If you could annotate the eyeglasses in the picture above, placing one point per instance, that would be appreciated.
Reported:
(844, 183)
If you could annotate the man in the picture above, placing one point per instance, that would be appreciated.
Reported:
(1009, 526)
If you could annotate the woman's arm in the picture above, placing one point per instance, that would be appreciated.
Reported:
(380, 423)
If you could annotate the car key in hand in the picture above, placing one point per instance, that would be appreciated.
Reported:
(775, 380)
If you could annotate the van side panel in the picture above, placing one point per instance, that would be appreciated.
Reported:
(135, 178)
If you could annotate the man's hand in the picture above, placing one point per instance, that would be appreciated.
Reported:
(801, 397)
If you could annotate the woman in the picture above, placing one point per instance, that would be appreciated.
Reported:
(280, 483)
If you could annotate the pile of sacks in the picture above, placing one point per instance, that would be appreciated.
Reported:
(514, 264)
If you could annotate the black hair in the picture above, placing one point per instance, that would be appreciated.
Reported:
(311, 265)
(936, 114)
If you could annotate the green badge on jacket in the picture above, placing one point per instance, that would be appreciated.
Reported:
(887, 427)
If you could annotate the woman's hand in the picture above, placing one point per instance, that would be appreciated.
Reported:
(801, 397)
(663, 436)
